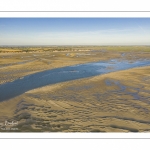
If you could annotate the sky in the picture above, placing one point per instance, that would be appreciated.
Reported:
(74, 31)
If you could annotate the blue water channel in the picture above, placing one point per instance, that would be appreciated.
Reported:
(12, 89)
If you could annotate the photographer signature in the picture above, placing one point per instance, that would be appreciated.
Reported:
(9, 123)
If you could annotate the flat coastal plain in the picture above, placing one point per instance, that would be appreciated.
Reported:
(114, 102)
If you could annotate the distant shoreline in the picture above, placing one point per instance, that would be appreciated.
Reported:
(26, 49)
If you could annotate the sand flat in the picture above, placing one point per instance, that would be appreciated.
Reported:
(113, 102)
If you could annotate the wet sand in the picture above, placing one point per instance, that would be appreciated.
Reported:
(114, 102)
(17, 65)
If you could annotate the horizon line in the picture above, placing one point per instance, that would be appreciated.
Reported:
(73, 45)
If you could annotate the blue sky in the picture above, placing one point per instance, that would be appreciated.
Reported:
(74, 31)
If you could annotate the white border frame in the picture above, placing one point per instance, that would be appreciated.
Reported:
(73, 14)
